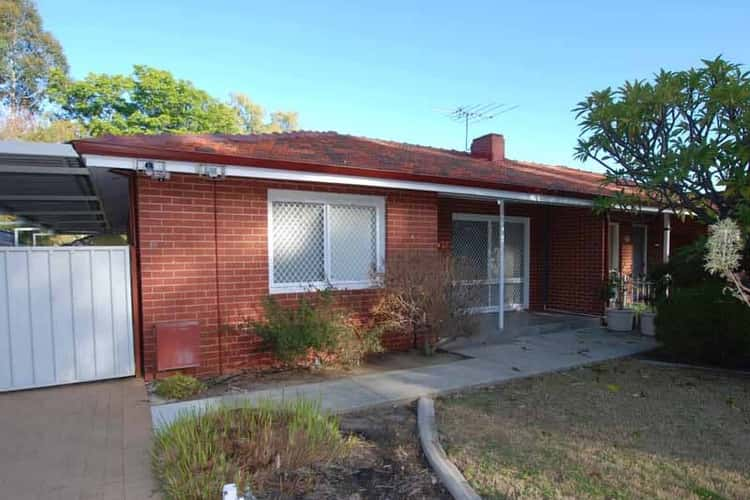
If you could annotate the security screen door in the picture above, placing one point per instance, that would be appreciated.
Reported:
(476, 254)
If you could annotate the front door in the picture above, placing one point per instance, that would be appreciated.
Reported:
(639, 251)
(475, 245)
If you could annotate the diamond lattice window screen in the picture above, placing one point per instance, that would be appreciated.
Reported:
(298, 242)
(353, 240)
(470, 249)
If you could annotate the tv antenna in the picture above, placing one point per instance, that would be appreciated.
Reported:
(475, 113)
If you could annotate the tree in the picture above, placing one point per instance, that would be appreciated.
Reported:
(681, 142)
(27, 126)
(153, 101)
(252, 116)
(150, 101)
(28, 55)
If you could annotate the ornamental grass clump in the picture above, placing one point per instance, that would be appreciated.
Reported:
(252, 446)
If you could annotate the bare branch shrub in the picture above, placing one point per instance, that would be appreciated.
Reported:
(422, 295)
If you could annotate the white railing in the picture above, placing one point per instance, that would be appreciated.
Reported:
(629, 291)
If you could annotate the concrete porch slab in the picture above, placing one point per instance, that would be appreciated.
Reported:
(489, 364)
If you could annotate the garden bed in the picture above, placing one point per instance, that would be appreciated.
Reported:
(368, 455)
(622, 429)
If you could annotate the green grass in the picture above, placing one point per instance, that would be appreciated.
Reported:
(248, 445)
(178, 387)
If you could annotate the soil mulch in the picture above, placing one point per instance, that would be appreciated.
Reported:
(386, 463)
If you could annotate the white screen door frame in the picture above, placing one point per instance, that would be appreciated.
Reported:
(489, 281)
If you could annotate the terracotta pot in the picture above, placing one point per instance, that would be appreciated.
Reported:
(647, 323)
(620, 320)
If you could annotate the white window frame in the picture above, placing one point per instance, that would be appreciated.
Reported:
(526, 279)
(327, 199)
(613, 239)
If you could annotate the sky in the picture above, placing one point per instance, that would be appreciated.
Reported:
(389, 69)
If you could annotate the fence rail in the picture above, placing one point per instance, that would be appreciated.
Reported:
(628, 291)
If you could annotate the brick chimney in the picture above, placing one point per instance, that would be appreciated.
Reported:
(490, 147)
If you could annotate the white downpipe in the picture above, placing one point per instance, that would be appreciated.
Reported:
(501, 269)
(667, 237)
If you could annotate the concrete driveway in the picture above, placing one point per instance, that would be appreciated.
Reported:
(76, 442)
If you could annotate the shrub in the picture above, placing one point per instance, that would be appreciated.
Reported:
(685, 267)
(315, 324)
(197, 454)
(178, 387)
(704, 324)
(421, 295)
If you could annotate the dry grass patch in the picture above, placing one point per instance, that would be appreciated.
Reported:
(623, 429)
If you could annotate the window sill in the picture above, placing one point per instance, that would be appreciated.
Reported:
(315, 287)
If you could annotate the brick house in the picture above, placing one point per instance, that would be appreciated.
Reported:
(219, 222)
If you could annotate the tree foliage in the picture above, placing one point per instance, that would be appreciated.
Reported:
(149, 101)
(27, 126)
(253, 119)
(680, 142)
(28, 56)
(153, 101)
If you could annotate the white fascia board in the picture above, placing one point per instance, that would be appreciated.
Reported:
(37, 149)
(276, 174)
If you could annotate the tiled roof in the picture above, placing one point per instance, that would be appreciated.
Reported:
(333, 152)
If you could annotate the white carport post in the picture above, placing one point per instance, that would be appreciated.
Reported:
(501, 268)
(667, 237)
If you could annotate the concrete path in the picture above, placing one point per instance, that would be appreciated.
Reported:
(76, 442)
(489, 364)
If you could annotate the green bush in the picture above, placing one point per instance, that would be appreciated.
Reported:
(685, 268)
(703, 324)
(316, 324)
(178, 387)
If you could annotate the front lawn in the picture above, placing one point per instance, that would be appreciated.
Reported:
(622, 429)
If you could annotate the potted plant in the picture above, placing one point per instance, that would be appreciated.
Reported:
(646, 320)
(619, 317)
(646, 308)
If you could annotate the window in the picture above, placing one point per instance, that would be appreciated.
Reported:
(324, 239)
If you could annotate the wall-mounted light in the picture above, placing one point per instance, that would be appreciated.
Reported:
(213, 172)
(152, 169)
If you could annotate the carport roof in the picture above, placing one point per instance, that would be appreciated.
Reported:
(46, 185)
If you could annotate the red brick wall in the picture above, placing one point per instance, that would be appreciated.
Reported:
(685, 232)
(572, 240)
(577, 267)
(535, 213)
(177, 231)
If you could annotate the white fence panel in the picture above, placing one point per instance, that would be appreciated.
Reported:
(65, 315)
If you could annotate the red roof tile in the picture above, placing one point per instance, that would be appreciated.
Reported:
(346, 154)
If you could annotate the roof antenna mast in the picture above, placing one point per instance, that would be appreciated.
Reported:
(475, 113)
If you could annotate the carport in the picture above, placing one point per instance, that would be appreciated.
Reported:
(66, 312)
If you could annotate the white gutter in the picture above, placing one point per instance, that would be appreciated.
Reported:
(276, 174)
